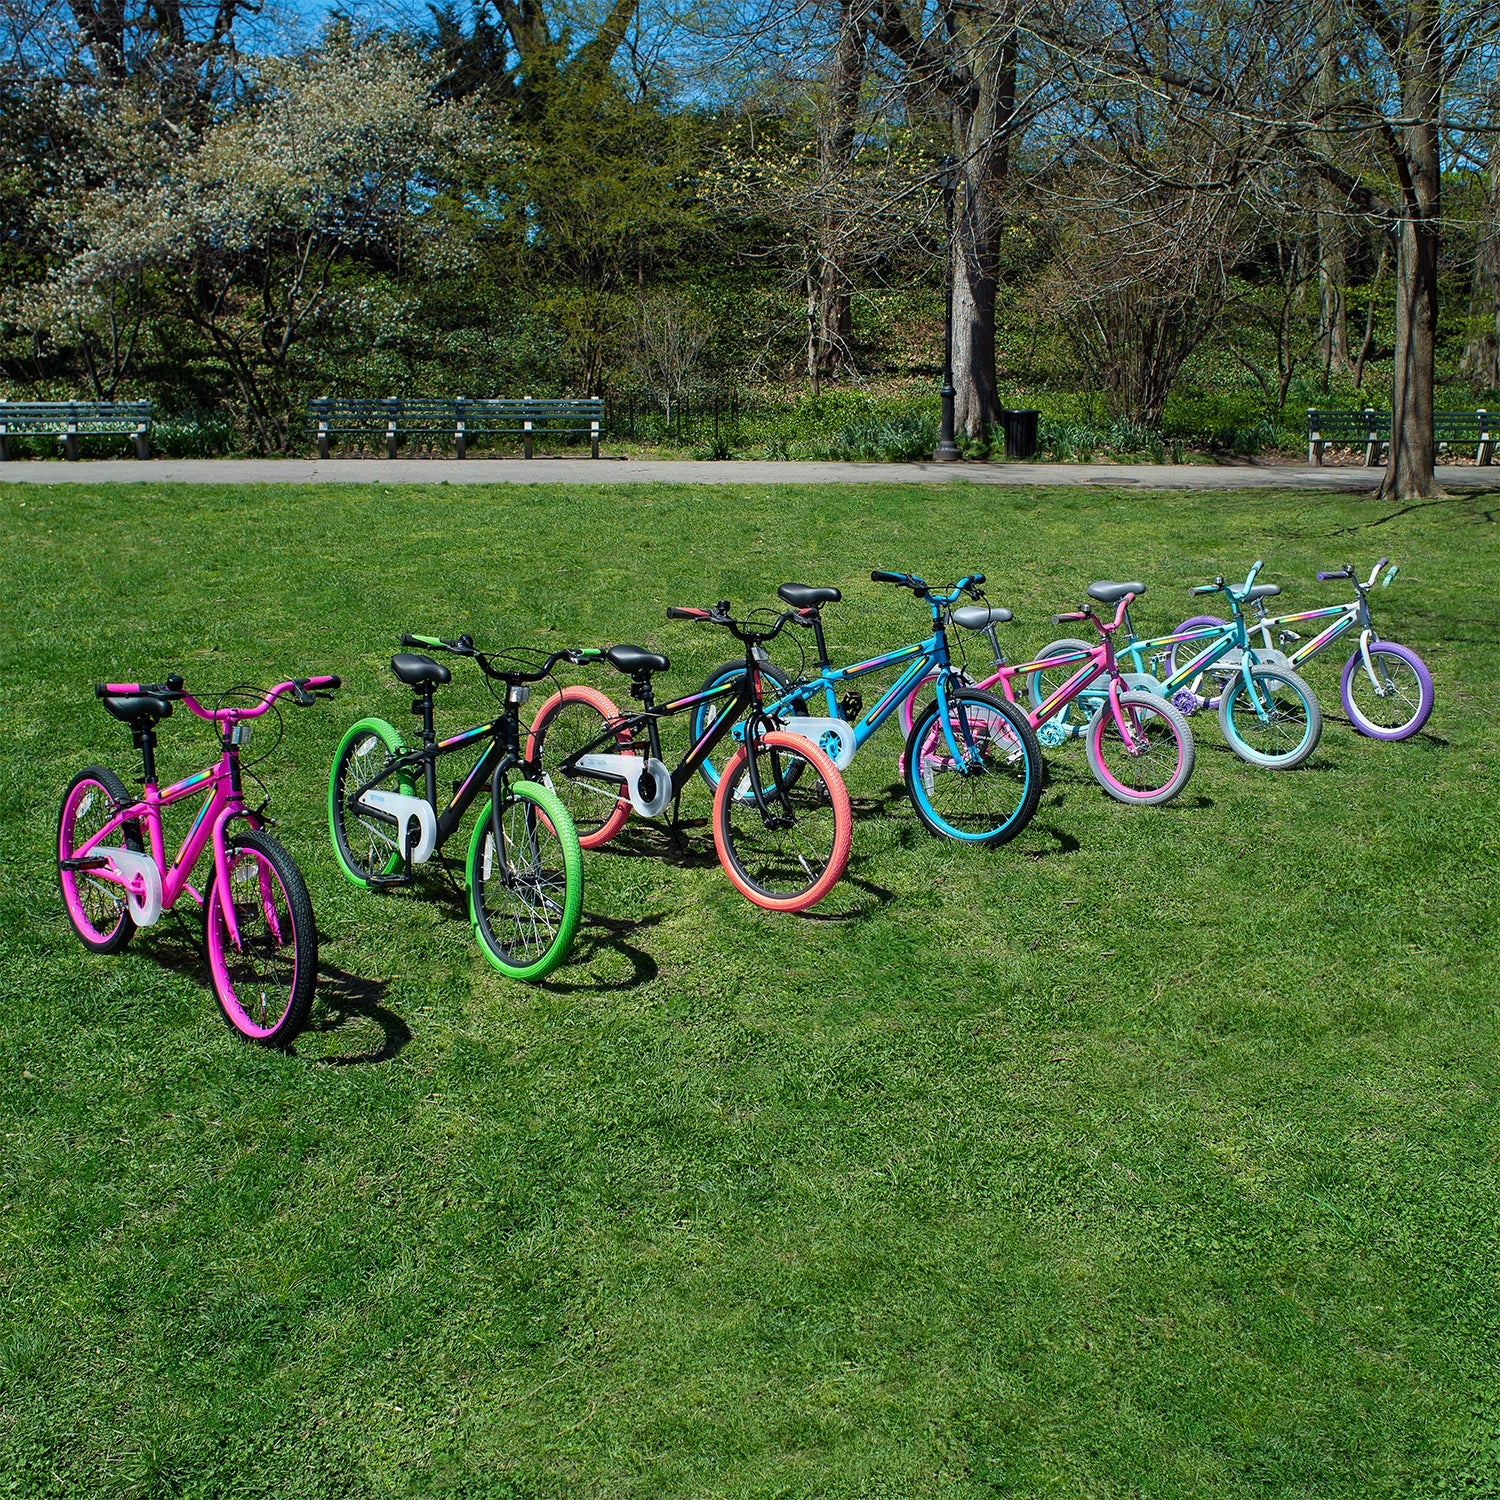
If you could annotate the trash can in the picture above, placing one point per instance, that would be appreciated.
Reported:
(1020, 432)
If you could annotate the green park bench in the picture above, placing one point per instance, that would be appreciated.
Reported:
(69, 419)
(1373, 429)
(399, 417)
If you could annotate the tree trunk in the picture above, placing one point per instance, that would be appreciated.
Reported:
(983, 121)
(1409, 469)
(1480, 365)
(834, 322)
(1333, 295)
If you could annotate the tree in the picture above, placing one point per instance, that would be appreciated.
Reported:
(1256, 77)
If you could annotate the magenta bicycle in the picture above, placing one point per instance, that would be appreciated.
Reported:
(260, 938)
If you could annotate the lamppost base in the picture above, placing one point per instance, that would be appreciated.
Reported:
(946, 453)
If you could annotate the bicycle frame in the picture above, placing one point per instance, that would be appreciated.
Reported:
(1355, 615)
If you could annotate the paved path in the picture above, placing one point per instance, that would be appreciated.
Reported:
(734, 471)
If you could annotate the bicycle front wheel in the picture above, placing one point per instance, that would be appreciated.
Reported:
(1399, 700)
(974, 770)
(564, 725)
(1152, 761)
(365, 846)
(1278, 726)
(264, 983)
(526, 885)
(788, 854)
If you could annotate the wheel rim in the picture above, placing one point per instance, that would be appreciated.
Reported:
(788, 855)
(369, 845)
(1277, 727)
(258, 980)
(976, 795)
(1399, 698)
(522, 883)
(590, 803)
(97, 907)
(1150, 763)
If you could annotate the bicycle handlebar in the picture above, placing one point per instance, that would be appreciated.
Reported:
(1207, 588)
(969, 584)
(742, 630)
(302, 690)
(1334, 574)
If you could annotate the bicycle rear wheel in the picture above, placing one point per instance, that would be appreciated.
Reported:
(1154, 765)
(1073, 716)
(526, 887)
(1277, 729)
(98, 909)
(987, 792)
(264, 985)
(364, 846)
(788, 856)
(564, 724)
(1399, 701)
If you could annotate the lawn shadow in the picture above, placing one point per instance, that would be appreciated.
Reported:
(347, 999)
(871, 898)
(601, 935)
(643, 839)
(1064, 842)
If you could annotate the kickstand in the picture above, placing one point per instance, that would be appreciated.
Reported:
(674, 828)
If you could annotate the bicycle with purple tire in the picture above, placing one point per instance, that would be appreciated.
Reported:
(261, 941)
(1386, 688)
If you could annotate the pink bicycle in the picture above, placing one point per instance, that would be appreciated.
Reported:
(261, 941)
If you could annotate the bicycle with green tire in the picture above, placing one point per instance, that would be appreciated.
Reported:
(524, 867)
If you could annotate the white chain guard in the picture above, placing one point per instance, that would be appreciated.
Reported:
(630, 769)
(145, 904)
(813, 729)
(406, 810)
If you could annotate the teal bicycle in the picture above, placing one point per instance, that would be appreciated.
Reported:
(1268, 714)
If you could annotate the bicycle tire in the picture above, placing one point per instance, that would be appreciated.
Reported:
(1103, 731)
(585, 799)
(1354, 673)
(701, 714)
(81, 894)
(529, 808)
(750, 872)
(363, 741)
(1267, 730)
(235, 975)
(927, 757)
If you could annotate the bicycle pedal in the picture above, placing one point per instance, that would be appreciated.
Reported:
(692, 823)
(383, 881)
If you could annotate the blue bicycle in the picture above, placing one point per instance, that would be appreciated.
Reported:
(985, 789)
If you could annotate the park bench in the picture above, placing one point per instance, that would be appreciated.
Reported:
(397, 417)
(67, 419)
(1373, 429)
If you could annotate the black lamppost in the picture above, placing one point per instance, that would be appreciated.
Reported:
(946, 451)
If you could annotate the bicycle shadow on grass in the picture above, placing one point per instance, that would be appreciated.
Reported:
(597, 938)
(343, 1001)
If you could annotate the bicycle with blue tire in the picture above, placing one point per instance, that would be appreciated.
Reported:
(985, 789)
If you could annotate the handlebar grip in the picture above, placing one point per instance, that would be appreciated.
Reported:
(1068, 618)
(329, 683)
(588, 653)
(1327, 577)
(882, 577)
(1204, 588)
(1378, 566)
(678, 612)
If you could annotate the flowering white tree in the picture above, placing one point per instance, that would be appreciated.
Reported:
(238, 230)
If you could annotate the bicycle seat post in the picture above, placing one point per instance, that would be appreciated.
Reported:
(144, 736)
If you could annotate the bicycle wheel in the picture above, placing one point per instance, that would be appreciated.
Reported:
(364, 846)
(1157, 762)
(776, 683)
(526, 887)
(564, 724)
(790, 856)
(989, 791)
(1398, 702)
(264, 985)
(1282, 729)
(1073, 716)
(98, 910)
(1183, 652)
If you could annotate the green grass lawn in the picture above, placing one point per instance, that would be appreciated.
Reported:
(1154, 1154)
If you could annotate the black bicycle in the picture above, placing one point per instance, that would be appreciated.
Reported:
(524, 868)
(781, 821)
